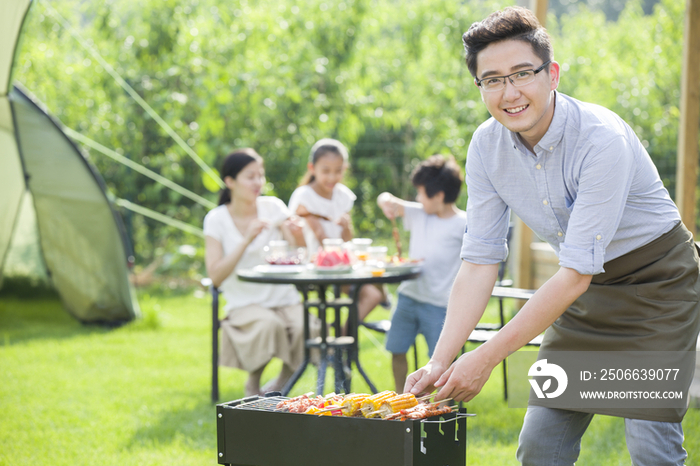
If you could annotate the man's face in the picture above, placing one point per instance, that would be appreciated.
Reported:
(527, 109)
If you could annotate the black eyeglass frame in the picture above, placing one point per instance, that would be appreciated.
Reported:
(479, 81)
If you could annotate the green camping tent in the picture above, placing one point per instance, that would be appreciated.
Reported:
(56, 222)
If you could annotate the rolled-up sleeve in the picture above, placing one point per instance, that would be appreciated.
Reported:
(604, 185)
(484, 240)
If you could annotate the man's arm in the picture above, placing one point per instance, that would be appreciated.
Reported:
(470, 294)
(466, 377)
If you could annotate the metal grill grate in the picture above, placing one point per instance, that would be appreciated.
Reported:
(262, 404)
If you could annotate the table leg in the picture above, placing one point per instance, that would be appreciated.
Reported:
(321, 374)
(353, 325)
(307, 353)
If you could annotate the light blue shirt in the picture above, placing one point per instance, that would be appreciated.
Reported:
(589, 189)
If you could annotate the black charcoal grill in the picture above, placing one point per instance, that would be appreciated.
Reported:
(250, 432)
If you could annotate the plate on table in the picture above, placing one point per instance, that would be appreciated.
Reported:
(279, 269)
(333, 269)
(409, 264)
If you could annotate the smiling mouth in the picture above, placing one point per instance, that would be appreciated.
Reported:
(516, 109)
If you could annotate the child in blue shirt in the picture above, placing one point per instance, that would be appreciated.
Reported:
(437, 227)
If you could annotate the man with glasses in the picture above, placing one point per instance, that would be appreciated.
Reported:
(581, 179)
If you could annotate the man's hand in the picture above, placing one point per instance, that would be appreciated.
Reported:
(422, 381)
(466, 376)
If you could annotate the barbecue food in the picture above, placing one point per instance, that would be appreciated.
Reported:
(352, 403)
(397, 403)
(421, 411)
(302, 403)
(385, 405)
(371, 404)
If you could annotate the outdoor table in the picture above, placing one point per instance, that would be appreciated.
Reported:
(309, 279)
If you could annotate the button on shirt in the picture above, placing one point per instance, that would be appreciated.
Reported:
(589, 189)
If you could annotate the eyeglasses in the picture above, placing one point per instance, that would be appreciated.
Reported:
(517, 79)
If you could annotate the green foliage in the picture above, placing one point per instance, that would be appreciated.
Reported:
(633, 67)
(389, 80)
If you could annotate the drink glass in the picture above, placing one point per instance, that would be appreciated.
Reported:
(359, 247)
(376, 255)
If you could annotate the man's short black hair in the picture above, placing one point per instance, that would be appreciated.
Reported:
(439, 173)
(511, 23)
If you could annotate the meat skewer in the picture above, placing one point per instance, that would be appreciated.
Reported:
(421, 411)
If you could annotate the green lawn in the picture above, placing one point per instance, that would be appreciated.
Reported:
(139, 395)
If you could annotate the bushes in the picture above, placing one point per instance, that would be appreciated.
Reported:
(387, 79)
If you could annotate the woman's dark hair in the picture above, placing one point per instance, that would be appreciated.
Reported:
(515, 23)
(321, 148)
(232, 166)
(439, 173)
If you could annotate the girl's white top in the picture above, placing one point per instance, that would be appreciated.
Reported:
(340, 203)
(219, 225)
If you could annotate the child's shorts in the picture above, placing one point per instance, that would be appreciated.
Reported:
(410, 318)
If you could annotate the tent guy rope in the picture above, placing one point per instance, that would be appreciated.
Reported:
(186, 227)
(139, 168)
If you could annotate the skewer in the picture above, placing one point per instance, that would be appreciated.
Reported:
(296, 398)
(395, 234)
(441, 401)
(326, 410)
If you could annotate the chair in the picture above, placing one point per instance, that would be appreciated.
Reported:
(215, 326)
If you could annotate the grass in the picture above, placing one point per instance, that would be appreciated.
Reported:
(72, 394)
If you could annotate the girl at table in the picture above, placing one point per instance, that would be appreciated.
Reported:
(325, 203)
(262, 320)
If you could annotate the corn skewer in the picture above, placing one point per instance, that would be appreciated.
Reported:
(349, 405)
(399, 402)
(396, 404)
(372, 403)
(352, 403)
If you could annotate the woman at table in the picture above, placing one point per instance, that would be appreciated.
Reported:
(262, 320)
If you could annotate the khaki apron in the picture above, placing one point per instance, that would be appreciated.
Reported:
(646, 300)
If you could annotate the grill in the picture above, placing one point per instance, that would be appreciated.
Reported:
(250, 432)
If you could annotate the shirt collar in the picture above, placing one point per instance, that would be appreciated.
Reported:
(554, 133)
